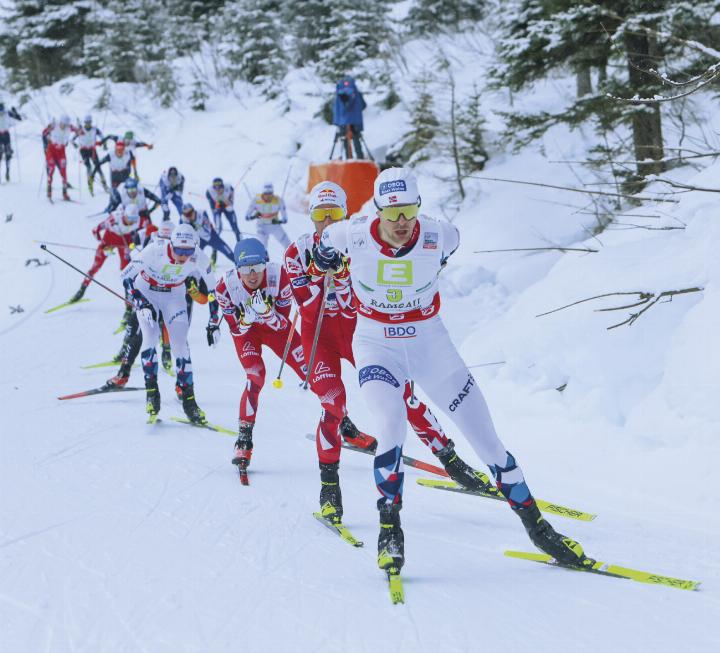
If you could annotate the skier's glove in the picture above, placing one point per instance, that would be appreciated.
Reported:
(166, 213)
(252, 216)
(260, 305)
(247, 315)
(327, 258)
(97, 232)
(213, 333)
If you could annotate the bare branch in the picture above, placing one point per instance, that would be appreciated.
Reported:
(678, 184)
(581, 301)
(577, 190)
(664, 98)
(667, 295)
(536, 249)
(666, 159)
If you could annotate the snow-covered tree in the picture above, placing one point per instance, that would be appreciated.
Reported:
(432, 16)
(471, 136)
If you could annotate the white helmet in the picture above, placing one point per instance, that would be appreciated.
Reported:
(327, 192)
(64, 119)
(183, 237)
(165, 230)
(396, 186)
(268, 188)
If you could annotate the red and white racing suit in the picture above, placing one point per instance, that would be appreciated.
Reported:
(271, 331)
(56, 139)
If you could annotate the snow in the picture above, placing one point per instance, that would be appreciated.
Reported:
(116, 536)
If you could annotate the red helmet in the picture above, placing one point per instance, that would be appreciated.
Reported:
(120, 145)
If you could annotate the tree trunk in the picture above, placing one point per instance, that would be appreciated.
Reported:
(583, 81)
(646, 121)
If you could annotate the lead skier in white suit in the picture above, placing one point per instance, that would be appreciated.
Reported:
(156, 283)
(395, 260)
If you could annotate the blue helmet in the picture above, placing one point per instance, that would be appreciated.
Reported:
(131, 184)
(250, 251)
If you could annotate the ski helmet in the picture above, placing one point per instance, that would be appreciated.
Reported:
(131, 184)
(249, 251)
(218, 182)
(182, 239)
(120, 145)
(396, 186)
(327, 192)
(165, 230)
(188, 209)
(87, 120)
(268, 188)
(172, 171)
(128, 136)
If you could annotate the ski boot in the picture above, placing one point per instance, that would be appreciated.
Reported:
(243, 445)
(65, 195)
(192, 410)
(563, 549)
(90, 186)
(391, 541)
(213, 259)
(152, 402)
(460, 472)
(49, 190)
(352, 436)
(330, 496)
(166, 358)
(78, 295)
(118, 381)
(7, 174)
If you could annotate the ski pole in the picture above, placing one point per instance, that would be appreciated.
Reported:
(244, 174)
(313, 350)
(287, 178)
(277, 383)
(87, 276)
(47, 242)
(247, 190)
(17, 156)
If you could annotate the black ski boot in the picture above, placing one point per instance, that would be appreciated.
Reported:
(391, 541)
(461, 472)
(78, 295)
(330, 496)
(166, 358)
(243, 445)
(152, 394)
(562, 548)
(192, 410)
(351, 435)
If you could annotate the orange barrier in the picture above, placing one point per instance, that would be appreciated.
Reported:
(355, 176)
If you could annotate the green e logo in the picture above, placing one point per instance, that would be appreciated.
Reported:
(394, 273)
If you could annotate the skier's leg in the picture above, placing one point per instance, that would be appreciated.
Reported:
(262, 233)
(281, 236)
(232, 219)
(220, 245)
(295, 358)
(177, 201)
(249, 351)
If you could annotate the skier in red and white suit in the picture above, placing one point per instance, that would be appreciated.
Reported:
(120, 231)
(255, 299)
(328, 204)
(56, 136)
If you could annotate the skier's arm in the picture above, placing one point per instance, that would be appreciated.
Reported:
(151, 196)
(252, 212)
(300, 280)
(333, 244)
(229, 310)
(451, 240)
(114, 201)
(105, 159)
(283, 302)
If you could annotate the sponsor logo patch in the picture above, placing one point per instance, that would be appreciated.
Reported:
(430, 240)
(359, 241)
(400, 331)
(300, 282)
(376, 373)
(464, 392)
(395, 186)
(394, 272)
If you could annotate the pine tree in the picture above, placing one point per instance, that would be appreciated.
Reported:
(308, 25)
(433, 16)
(43, 40)
(473, 154)
(198, 95)
(249, 37)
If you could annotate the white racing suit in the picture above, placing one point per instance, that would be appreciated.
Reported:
(270, 216)
(400, 336)
(157, 278)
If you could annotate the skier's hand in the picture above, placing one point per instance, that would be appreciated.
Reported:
(247, 315)
(327, 258)
(150, 146)
(140, 302)
(253, 216)
(97, 233)
(213, 333)
(260, 305)
(166, 214)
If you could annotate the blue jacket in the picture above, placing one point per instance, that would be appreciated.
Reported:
(349, 104)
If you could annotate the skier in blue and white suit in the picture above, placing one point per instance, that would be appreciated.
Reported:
(205, 230)
(221, 197)
(171, 190)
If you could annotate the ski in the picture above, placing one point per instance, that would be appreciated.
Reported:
(339, 529)
(410, 462)
(244, 478)
(545, 506)
(59, 306)
(104, 364)
(206, 425)
(97, 391)
(607, 569)
(397, 593)
(153, 418)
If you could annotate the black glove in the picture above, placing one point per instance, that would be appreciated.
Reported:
(166, 215)
(213, 334)
(326, 258)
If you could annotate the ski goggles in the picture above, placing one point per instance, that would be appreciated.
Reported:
(218, 184)
(320, 215)
(184, 251)
(258, 268)
(393, 213)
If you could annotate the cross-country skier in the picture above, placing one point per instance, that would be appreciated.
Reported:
(121, 229)
(131, 144)
(328, 204)
(5, 146)
(205, 231)
(256, 299)
(396, 257)
(221, 196)
(132, 193)
(171, 185)
(156, 283)
(270, 212)
(56, 136)
(88, 137)
(120, 161)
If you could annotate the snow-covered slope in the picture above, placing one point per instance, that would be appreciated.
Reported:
(116, 536)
